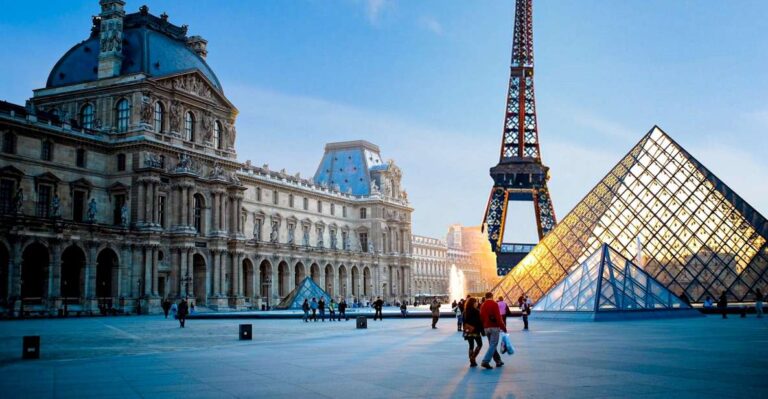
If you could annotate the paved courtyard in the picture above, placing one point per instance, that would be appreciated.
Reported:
(149, 357)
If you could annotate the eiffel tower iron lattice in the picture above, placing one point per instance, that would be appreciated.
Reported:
(520, 175)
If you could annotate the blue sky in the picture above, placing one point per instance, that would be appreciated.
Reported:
(426, 80)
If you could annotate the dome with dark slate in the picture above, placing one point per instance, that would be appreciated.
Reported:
(151, 45)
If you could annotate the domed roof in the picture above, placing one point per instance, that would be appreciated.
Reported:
(151, 45)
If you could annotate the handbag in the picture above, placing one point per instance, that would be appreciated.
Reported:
(469, 329)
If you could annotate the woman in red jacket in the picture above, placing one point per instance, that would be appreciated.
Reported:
(493, 324)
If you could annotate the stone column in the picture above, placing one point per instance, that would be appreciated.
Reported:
(216, 275)
(187, 253)
(136, 262)
(54, 276)
(224, 262)
(237, 289)
(123, 274)
(14, 268)
(155, 200)
(140, 203)
(238, 215)
(90, 272)
(155, 279)
(184, 203)
(274, 287)
(190, 207)
(149, 255)
(214, 212)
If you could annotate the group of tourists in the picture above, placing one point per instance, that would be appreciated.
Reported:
(319, 306)
(722, 304)
(485, 317)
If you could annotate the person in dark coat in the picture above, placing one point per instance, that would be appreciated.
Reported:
(314, 306)
(183, 311)
(166, 307)
(321, 308)
(722, 303)
(403, 309)
(305, 308)
(435, 308)
(473, 330)
(343, 309)
(377, 305)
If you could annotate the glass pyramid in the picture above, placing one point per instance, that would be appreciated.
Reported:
(696, 234)
(307, 289)
(608, 282)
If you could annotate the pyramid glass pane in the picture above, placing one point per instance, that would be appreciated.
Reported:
(307, 289)
(696, 234)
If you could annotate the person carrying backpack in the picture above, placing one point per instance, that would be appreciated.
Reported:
(305, 308)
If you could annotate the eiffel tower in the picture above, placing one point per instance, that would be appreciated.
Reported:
(520, 175)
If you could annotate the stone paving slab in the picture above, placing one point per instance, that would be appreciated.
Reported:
(150, 357)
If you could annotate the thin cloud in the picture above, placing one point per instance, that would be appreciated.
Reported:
(374, 9)
(431, 24)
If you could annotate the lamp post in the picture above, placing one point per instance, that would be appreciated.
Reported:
(138, 297)
(187, 279)
(265, 282)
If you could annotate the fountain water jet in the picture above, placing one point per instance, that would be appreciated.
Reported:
(457, 287)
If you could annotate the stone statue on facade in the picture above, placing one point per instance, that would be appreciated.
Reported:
(92, 210)
(152, 160)
(207, 122)
(124, 214)
(185, 163)
(305, 238)
(273, 236)
(56, 206)
(175, 116)
(333, 239)
(146, 109)
(257, 229)
(371, 249)
(229, 128)
(18, 201)
(320, 233)
(291, 229)
(217, 172)
(374, 188)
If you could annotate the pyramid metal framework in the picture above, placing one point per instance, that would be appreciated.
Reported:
(609, 282)
(307, 289)
(697, 235)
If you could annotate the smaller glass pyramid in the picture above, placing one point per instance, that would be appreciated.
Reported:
(606, 282)
(307, 289)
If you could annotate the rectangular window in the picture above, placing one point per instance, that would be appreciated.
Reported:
(363, 213)
(258, 193)
(117, 216)
(80, 158)
(290, 200)
(319, 206)
(343, 211)
(306, 204)
(161, 210)
(333, 209)
(9, 143)
(46, 150)
(275, 198)
(364, 242)
(78, 206)
(120, 162)
(6, 196)
(43, 200)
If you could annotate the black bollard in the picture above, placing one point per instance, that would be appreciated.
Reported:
(246, 332)
(31, 347)
(362, 322)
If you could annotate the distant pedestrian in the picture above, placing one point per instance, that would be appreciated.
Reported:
(454, 304)
(503, 308)
(459, 310)
(759, 303)
(435, 308)
(377, 305)
(314, 306)
(332, 310)
(305, 308)
(525, 310)
(404, 310)
(473, 330)
(708, 303)
(343, 309)
(183, 308)
(174, 310)
(722, 304)
(192, 308)
(321, 308)
(684, 298)
(166, 307)
(493, 324)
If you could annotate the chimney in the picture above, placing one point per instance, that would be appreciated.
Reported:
(111, 38)
(198, 45)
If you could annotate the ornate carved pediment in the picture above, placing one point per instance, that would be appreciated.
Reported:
(196, 84)
(11, 172)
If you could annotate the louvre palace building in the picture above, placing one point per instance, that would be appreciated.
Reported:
(120, 186)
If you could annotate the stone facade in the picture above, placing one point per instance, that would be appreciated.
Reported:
(431, 269)
(121, 187)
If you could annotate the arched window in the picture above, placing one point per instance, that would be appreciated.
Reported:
(123, 115)
(217, 135)
(86, 116)
(159, 113)
(198, 213)
(189, 126)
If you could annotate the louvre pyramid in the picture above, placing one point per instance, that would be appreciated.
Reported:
(307, 289)
(697, 235)
(608, 285)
